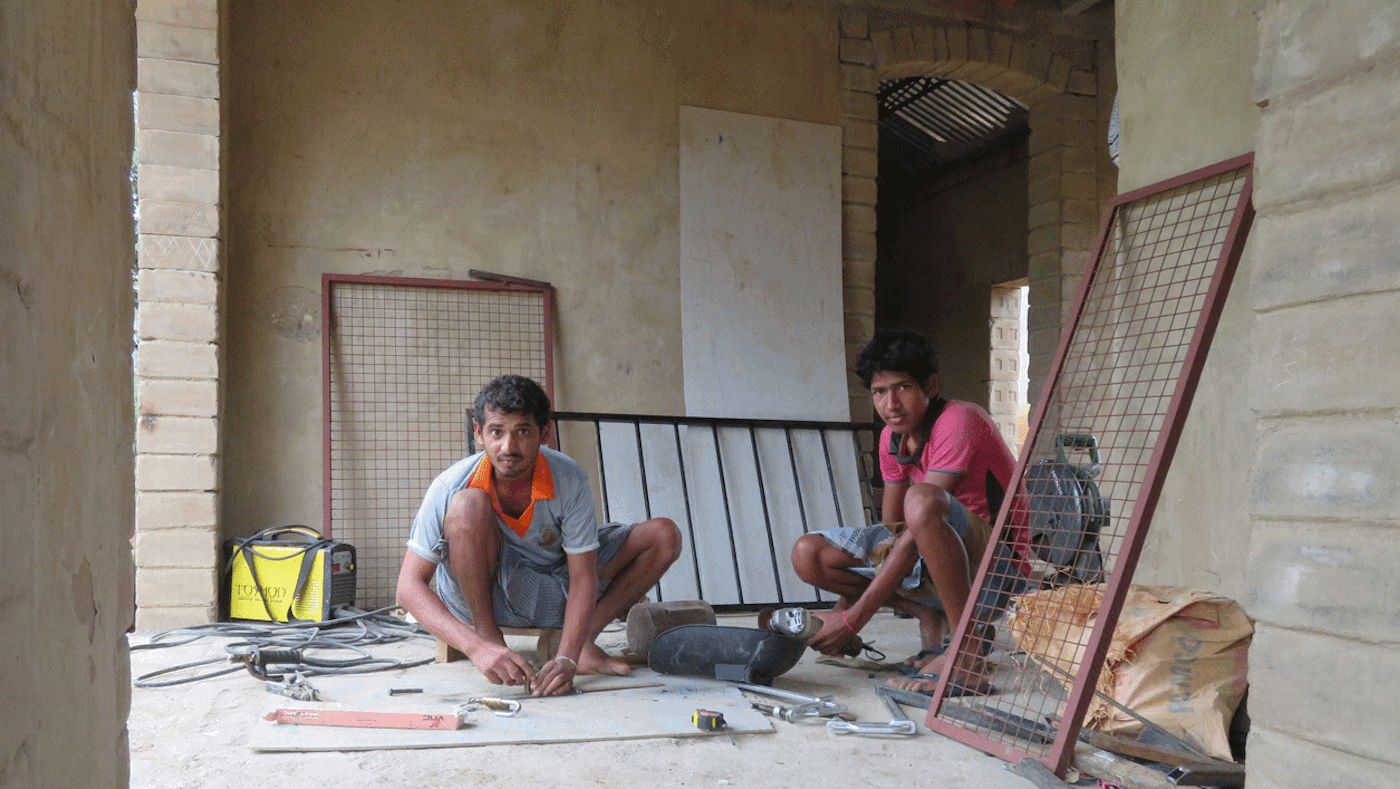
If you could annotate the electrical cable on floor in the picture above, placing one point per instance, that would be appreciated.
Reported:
(278, 652)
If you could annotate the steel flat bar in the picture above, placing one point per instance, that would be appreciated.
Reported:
(728, 514)
(767, 519)
(689, 516)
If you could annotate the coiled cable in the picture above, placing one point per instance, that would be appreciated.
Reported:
(279, 652)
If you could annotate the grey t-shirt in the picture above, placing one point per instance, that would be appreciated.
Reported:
(564, 524)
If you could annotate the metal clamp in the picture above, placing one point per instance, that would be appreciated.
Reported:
(504, 708)
(898, 725)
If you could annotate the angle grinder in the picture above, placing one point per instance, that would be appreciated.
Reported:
(798, 622)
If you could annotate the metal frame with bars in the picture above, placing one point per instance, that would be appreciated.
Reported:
(1121, 386)
(741, 490)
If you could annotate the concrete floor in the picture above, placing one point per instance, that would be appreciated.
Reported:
(196, 735)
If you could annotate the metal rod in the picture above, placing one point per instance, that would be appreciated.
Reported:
(646, 494)
(863, 468)
(642, 468)
(705, 421)
(831, 477)
(797, 486)
(602, 470)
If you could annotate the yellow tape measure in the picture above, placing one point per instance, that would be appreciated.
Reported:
(705, 720)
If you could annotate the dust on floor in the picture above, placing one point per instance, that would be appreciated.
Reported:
(197, 735)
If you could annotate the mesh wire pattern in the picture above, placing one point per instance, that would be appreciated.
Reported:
(404, 359)
(1089, 477)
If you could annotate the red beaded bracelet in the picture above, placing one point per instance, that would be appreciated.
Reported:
(848, 624)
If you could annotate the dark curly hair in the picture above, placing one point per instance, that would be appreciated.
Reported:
(512, 394)
(897, 351)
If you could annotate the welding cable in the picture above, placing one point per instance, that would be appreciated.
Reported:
(284, 646)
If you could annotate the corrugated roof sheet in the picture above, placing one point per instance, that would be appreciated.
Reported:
(929, 126)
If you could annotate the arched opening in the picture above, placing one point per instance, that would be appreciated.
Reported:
(1016, 197)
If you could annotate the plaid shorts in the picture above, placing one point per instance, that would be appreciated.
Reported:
(870, 544)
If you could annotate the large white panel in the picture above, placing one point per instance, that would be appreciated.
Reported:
(760, 235)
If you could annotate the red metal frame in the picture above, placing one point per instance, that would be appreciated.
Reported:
(329, 333)
(1059, 753)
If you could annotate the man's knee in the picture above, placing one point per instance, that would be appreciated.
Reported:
(663, 535)
(807, 556)
(478, 521)
(926, 506)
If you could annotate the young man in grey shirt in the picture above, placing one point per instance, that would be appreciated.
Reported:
(509, 538)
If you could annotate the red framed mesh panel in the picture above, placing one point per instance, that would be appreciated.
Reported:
(1101, 442)
(402, 361)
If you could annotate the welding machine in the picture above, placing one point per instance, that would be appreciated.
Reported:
(289, 574)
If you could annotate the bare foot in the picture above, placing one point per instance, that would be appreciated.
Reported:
(593, 660)
(916, 685)
(972, 672)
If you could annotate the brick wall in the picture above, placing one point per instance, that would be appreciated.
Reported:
(178, 312)
(859, 168)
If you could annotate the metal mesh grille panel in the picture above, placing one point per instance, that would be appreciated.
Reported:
(1101, 442)
(404, 360)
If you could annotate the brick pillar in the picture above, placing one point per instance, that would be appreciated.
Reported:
(177, 316)
(859, 167)
(1064, 217)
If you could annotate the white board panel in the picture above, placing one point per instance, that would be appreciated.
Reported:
(761, 299)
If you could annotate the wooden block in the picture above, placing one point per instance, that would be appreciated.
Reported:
(446, 653)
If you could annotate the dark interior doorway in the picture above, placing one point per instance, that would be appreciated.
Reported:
(952, 219)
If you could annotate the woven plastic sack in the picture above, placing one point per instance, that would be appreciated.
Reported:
(1179, 657)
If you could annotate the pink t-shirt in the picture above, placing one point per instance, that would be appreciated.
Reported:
(965, 441)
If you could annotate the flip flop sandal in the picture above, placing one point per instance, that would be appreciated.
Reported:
(910, 669)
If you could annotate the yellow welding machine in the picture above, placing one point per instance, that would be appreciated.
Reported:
(289, 574)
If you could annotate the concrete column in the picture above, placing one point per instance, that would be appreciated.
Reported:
(178, 316)
(66, 266)
(1323, 499)
(859, 169)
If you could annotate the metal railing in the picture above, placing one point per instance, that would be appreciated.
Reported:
(741, 490)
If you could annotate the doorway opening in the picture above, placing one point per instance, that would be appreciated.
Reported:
(1008, 378)
(953, 225)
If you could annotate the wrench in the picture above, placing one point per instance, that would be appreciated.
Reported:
(898, 724)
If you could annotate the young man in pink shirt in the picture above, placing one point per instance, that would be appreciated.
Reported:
(946, 471)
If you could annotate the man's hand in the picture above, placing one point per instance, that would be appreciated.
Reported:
(500, 665)
(555, 678)
(833, 635)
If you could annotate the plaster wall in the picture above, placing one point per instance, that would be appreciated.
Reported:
(1322, 580)
(942, 251)
(1299, 394)
(67, 70)
(1185, 76)
(537, 139)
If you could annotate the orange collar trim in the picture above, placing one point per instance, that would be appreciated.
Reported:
(541, 487)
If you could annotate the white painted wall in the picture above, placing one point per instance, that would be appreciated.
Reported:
(760, 235)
